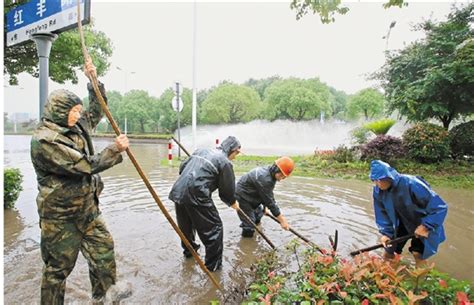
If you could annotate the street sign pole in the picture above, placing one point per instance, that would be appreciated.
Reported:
(179, 133)
(43, 41)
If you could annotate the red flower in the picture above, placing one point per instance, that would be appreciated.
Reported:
(443, 283)
(462, 298)
(365, 302)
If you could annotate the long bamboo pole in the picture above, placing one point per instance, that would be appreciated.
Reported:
(94, 82)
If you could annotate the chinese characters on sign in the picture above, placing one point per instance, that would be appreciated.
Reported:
(18, 19)
(50, 16)
(41, 7)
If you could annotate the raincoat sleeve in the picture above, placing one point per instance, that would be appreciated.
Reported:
(384, 224)
(227, 184)
(268, 200)
(432, 206)
(94, 112)
(61, 159)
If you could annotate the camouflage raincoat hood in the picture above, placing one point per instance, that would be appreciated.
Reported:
(229, 145)
(58, 105)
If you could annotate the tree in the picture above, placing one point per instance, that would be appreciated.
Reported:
(7, 124)
(434, 77)
(368, 102)
(230, 103)
(297, 99)
(327, 9)
(260, 85)
(339, 105)
(65, 58)
(168, 118)
(114, 100)
(136, 107)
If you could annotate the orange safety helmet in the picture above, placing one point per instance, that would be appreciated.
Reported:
(286, 165)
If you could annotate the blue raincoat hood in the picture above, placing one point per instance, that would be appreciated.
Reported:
(381, 170)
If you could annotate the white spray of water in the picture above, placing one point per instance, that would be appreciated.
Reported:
(280, 137)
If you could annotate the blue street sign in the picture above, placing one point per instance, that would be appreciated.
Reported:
(43, 16)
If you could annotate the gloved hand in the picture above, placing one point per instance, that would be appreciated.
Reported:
(422, 231)
(383, 240)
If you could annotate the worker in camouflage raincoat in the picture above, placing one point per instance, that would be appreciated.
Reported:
(69, 186)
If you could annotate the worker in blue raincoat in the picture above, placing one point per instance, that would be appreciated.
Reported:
(405, 205)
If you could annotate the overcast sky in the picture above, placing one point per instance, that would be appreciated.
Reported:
(237, 41)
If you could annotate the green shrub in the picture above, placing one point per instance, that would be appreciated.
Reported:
(380, 127)
(427, 143)
(343, 154)
(367, 279)
(12, 179)
(360, 135)
(462, 139)
(383, 147)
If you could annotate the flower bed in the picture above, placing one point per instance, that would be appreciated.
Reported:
(325, 278)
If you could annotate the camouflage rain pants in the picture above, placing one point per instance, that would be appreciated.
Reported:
(60, 245)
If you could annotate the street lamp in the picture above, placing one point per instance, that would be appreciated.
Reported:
(125, 72)
(388, 34)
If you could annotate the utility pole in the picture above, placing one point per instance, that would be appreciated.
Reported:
(194, 102)
(178, 96)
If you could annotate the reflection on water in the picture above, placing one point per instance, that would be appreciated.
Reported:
(148, 250)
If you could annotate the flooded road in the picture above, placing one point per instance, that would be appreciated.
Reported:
(147, 248)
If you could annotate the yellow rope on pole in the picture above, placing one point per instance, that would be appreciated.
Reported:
(93, 79)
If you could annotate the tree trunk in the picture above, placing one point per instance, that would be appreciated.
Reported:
(446, 120)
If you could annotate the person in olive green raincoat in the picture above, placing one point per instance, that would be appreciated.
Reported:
(69, 187)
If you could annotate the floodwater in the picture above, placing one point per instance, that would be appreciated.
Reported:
(147, 248)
